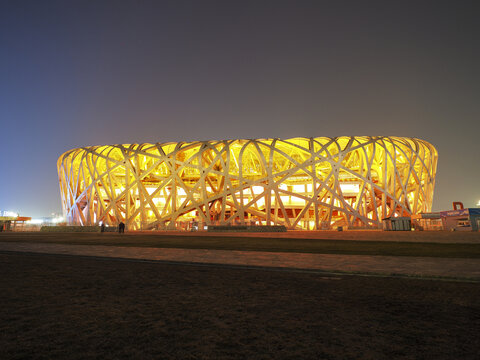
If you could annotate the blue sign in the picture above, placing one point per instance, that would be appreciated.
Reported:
(474, 211)
(461, 212)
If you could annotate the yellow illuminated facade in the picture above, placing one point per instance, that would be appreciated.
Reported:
(302, 183)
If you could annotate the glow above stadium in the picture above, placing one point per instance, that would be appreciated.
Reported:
(302, 183)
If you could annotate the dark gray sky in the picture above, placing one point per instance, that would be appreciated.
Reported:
(77, 73)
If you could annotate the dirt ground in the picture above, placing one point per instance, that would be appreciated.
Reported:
(73, 307)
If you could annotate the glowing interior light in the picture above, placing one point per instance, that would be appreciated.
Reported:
(258, 189)
(35, 221)
(298, 189)
(350, 188)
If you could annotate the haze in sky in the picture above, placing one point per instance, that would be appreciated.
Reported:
(80, 73)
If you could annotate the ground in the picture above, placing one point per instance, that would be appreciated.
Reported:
(71, 307)
(76, 307)
(391, 243)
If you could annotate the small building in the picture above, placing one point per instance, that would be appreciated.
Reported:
(13, 223)
(461, 219)
(400, 223)
(6, 222)
(427, 221)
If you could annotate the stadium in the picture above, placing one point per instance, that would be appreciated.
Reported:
(301, 183)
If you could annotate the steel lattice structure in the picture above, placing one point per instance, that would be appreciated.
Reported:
(302, 183)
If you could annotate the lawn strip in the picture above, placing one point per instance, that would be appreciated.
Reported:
(346, 247)
(329, 273)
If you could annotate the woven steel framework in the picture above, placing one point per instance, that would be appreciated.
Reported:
(302, 183)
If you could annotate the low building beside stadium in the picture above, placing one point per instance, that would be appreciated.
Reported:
(301, 183)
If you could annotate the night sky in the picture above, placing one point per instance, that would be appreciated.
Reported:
(79, 73)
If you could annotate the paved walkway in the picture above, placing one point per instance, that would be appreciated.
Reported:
(387, 265)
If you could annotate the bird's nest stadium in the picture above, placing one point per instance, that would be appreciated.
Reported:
(301, 183)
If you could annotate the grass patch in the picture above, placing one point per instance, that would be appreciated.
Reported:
(350, 247)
